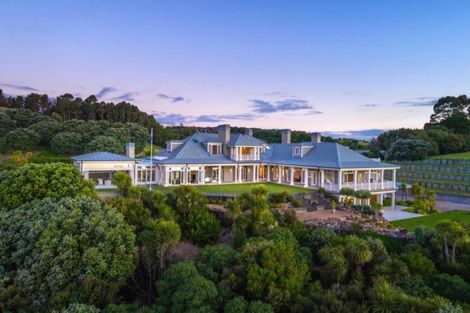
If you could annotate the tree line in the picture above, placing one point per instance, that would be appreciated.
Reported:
(448, 131)
(69, 107)
(62, 249)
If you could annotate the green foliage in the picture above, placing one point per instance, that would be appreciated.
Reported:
(133, 210)
(80, 308)
(197, 222)
(66, 142)
(104, 143)
(38, 181)
(46, 129)
(123, 181)
(21, 139)
(419, 264)
(452, 287)
(202, 227)
(183, 289)
(410, 150)
(276, 270)
(212, 260)
(66, 251)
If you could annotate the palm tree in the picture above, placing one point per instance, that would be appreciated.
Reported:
(404, 193)
(335, 262)
(453, 234)
(357, 251)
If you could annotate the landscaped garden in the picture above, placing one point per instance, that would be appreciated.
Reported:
(433, 219)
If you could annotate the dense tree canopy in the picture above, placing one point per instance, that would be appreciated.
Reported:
(59, 252)
(38, 181)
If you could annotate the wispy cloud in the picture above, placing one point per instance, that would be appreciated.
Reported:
(171, 98)
(364, 134)
(128, 96)
(418, 102)
(171, 118)
(219, 118)
(369, 105)
(19, 87)
(104, 91)
(263, 106)
(176, 118)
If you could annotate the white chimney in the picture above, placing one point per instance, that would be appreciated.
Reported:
(130, 150)
(285, 136)
(249, 131)
(316, 137)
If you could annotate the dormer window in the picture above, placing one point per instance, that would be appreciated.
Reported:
(297, 151)
(214, 148)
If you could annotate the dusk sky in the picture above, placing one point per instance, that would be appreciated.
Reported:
(306, 65)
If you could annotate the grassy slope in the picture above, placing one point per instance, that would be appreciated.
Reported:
(454, 156)
(241, 188)
(433, 219)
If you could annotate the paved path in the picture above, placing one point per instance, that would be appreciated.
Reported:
(398, 214)
(445, 206)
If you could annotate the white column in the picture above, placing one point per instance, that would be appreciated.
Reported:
(394, 178)
(368, 179)
(202, 175)
(340, 179)
(279, 174)
(220, 175)
(240, 168)
(85, 174)
(255, 177)
(381, 198)
(322, 177)
(393, 201)
(291, 182)
(382, 174)
(355, 179)
(268, 173)
(167, 176)
(305, 177)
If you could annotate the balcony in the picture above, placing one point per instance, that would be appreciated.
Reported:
(248, 157)
(387, 184)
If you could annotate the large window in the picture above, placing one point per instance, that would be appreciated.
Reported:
(348, 177)
(176, 178)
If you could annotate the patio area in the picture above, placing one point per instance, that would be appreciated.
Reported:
(398, 214)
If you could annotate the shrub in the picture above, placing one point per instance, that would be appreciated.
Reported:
(297, 203)
(66, 142)
(21, 139)
(38, 181)
(105, 143)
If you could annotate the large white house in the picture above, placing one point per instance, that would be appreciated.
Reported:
(225, 158)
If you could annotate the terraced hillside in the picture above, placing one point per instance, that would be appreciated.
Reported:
(442, 175)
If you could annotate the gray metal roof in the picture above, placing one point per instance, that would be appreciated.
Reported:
(244, 140)
(101, 156)
(193, 151)
(325, 154)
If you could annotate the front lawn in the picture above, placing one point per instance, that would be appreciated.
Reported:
(454, 156)
(241, 188)
(432, 219)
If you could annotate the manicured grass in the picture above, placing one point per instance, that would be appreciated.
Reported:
(432, 219)
(454, 156)
(240, 188)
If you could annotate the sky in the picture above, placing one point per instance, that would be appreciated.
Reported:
(351, 68)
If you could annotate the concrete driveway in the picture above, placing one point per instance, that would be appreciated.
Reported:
(398, 214)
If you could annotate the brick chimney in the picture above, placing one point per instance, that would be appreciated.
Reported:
(285, 136)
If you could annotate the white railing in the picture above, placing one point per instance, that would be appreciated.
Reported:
(387, 184)
(247, 157)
